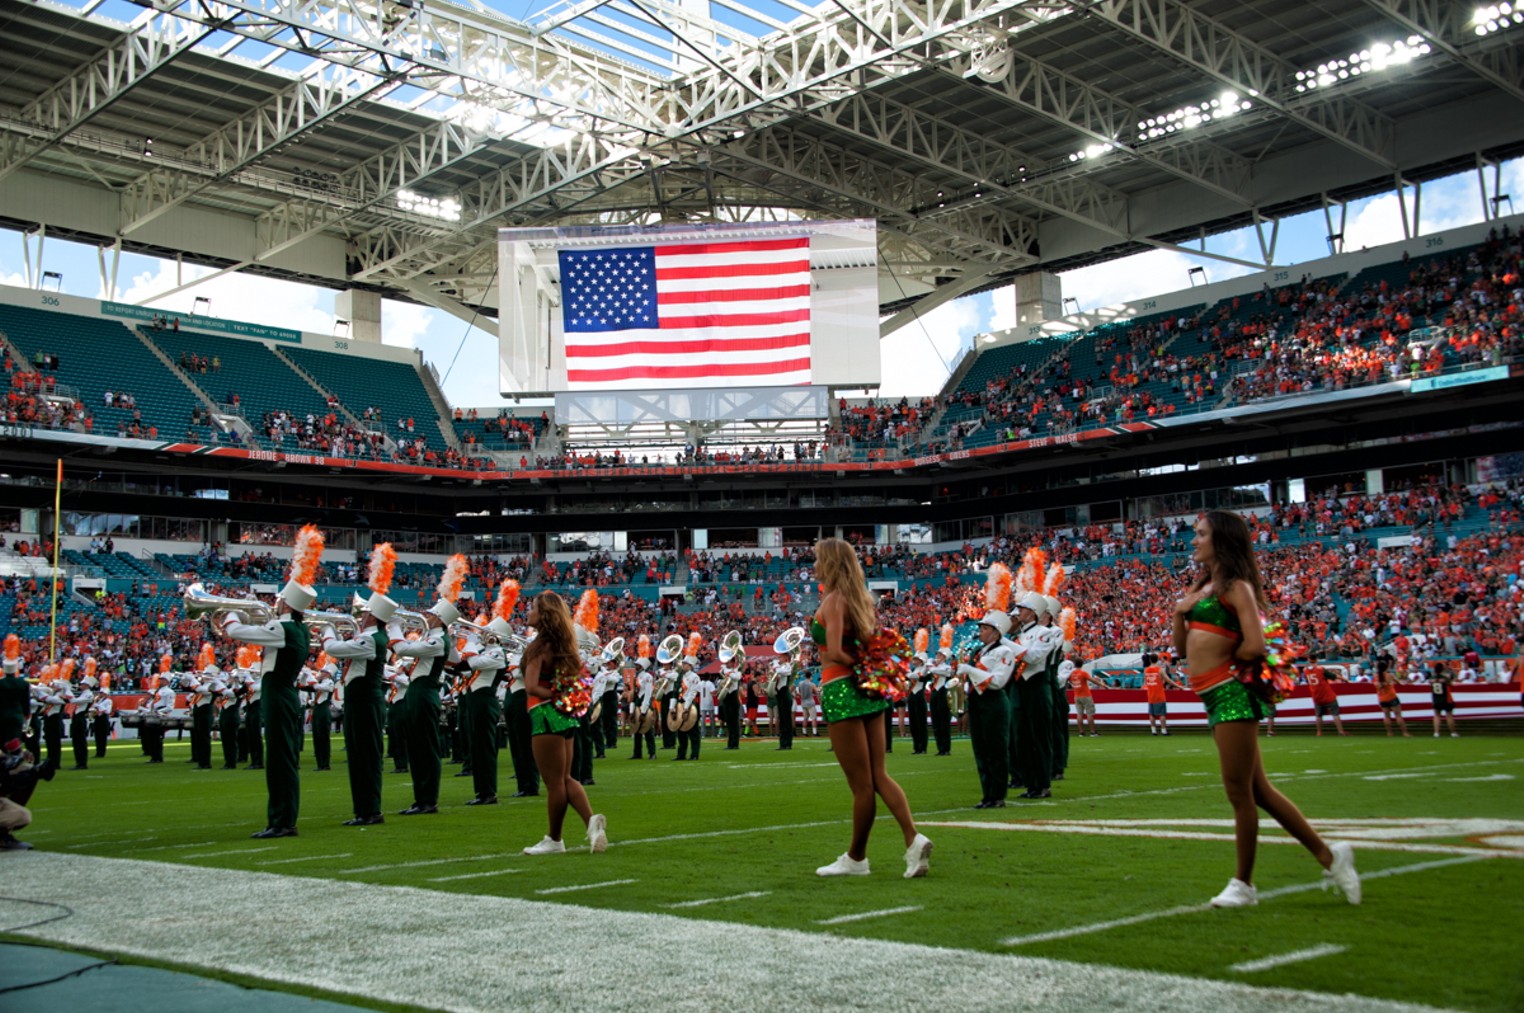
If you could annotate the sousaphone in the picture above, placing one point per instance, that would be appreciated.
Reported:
(789, 641)
(730, 646)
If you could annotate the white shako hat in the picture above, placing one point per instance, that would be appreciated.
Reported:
(500, 626)
(380, 606)
(446, 611)
(1053, 606)
(299, 596)
(998, 620)
(1034, 601)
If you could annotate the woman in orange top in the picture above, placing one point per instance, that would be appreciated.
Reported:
(1217, 629)
(846, 618)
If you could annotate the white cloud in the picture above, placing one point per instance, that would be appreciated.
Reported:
(402, 324)
(1142, 275)
(915, 359)
(13, 279)
(237, 296)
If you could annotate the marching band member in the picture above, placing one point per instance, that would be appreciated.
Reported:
(488, 664)
(81, 700)
(729, 696)
(847, 617)
(666, 692)
(549, 661)
(940, 670)
(689, 740)
(199, 700)
(526, 776)
(585, 742)
(1035, 733)
(987, 671)
(916, 702)
(288, 642)
(421, 705)
(100, 718)
(780, 708)
(1060, 711)
(361, 666)
(613, 686)
(320, 694)
(397, 679)
(54, 698)
(251, 693)
(645, 694)
(225, 701)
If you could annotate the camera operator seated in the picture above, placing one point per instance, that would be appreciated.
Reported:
(19, 774)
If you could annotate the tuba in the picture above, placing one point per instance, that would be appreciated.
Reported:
(730, 648)
(670, 650)
(613, 653)
(199, 604)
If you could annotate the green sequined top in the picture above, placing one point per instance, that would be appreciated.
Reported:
(1212, 615)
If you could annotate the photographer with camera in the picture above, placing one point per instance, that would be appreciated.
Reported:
(19, 772)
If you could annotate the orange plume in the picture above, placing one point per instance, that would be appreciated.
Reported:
(945, 639)
(323, 660)
(1066, 622)
(12, 647)
(452, 580)
(165, 663)
(922, 640)
(89, 668)
(383, 561)
(643, 646)
(305, 557)
(206, 659)
(105, 681)
(1054, 580)
(66, 669)
(507, 598)
(586, 615)
(1033, 570)
(997, 587)
(695, 641)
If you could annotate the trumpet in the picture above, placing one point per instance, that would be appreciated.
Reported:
(199, 604)
(342, 622)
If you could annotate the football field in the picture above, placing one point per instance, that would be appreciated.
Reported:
(707, 898)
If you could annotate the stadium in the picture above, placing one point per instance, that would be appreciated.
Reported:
(791, 209)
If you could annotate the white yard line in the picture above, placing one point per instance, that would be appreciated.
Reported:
(546, 891)
(172, 847)
(865, 915)
(473, 875)
(706, 901)
(1201, 835)
(229, 920)
(236, 851)
(1148, 916)
(415, 865)
(1294, 957)
(307, 858)
(111, 842)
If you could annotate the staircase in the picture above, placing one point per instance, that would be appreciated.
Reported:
(237, 424)
(21, 362)
(441, 406)
(328, 395)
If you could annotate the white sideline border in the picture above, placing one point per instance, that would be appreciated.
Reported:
(1294, 957)
(333, 935)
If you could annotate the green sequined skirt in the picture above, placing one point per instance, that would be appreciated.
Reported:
(840, 699)
(546, 720)
(1233, 701)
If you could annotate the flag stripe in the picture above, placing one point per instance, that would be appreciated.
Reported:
(731, 369)
(733, 320)
(665, 272)
(666, 297)
(690, 347)
(760, 358)
(615, 338)
(750, 247)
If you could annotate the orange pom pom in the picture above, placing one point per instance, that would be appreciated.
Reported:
(586, 614)
(453, 579)
(307, 553)
(383, 562)
(507, 598)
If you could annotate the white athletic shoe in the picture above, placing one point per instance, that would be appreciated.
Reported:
(917, 857)
(1342, 873)
(546, 847)
(598, 834)
(1236, 894)
(846, 865)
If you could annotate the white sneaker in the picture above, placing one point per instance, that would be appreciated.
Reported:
(846, 865)
(917, 857)
(597, 833)
(1236, 894)
(1342, 873)
(546, 847)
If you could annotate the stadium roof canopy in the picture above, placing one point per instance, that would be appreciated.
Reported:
(379, 144)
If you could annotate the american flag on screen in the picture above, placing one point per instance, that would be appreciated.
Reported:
(720, 314)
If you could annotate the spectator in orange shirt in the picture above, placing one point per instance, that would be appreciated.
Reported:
(1084, 701)
(1324, 700)
(1155, 678)
(1387, 681)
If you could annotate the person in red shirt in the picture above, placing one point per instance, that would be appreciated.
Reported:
(1324, 700)
(1084, 700)
(1155, 678)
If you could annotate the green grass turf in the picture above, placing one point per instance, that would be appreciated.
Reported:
(762, 820)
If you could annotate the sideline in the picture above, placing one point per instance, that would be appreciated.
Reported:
(334, 935)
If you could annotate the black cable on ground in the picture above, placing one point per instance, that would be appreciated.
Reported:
(67, 912)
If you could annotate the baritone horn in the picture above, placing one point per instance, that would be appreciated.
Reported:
(200, 604)
(342, 622)
(789, 641)
(730, 646)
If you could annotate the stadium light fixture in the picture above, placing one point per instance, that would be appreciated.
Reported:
(148, 147)
(201, 306)
(340, 328)
(1497, 204)
(1378, 57)
(444, 208)
(1497, 17)
(55, 277)
(1071, 305)
(1197, 272)
(1192, 115)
